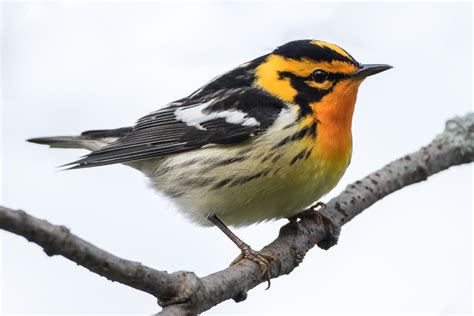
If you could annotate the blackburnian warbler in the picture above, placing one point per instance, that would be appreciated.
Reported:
(260, 142)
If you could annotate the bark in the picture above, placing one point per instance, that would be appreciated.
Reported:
(183, 293)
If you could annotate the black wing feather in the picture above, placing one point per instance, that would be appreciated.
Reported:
(160, 133)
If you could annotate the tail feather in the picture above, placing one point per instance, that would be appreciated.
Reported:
(59, 141)
(91, 140)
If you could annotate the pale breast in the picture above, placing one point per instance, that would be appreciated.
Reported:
(274, 176)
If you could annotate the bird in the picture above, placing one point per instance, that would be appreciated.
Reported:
(260, 142)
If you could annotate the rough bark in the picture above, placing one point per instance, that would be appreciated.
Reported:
(183, 293)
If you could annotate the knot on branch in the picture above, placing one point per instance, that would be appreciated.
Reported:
(187, 292)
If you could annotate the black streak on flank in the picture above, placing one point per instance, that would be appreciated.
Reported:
(289, 125)
(191, 162)
(222, 183)
(243, 180)
(285, 141)
(229, 161)
(267, 157)
(299, 156)
(188, 163)
(196, 182)
(163, 171)
(274, 156)
(300, 134)
(174, 193)
(224, 162)
(311, 130)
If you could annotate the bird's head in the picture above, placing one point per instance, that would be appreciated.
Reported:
(316, 76)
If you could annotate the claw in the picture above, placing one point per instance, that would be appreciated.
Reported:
(248, 253)
(319, 206)
(263, 260)
(314, 213)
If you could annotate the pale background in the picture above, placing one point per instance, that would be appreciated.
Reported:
(72, 67)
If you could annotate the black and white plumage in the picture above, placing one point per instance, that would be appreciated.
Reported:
(215, 114)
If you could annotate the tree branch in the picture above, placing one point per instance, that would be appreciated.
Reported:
(183, 293)
(58, 240)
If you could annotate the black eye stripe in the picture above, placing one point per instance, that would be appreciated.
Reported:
(337, 76)
(332, 76)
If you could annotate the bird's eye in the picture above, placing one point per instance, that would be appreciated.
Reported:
(319, 76)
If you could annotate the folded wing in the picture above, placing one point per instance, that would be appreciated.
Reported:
(224, 117)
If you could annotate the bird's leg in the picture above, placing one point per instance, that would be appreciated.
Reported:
(248, 253)
(314, 213)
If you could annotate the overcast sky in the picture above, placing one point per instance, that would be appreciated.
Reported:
(73, 67)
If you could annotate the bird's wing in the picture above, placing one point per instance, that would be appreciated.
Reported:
(225, 117)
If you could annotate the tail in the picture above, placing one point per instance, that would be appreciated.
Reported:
(91, 140)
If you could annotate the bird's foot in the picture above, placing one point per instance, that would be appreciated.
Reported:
(332, 229)
(263, 260)
(313, 212)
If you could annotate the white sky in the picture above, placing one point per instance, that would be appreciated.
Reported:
(72, 67)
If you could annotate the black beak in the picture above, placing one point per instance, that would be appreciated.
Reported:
(366, 70)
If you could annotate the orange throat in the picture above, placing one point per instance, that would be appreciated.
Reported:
(333, 115)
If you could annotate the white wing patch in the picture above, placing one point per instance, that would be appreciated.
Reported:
(193, 116)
